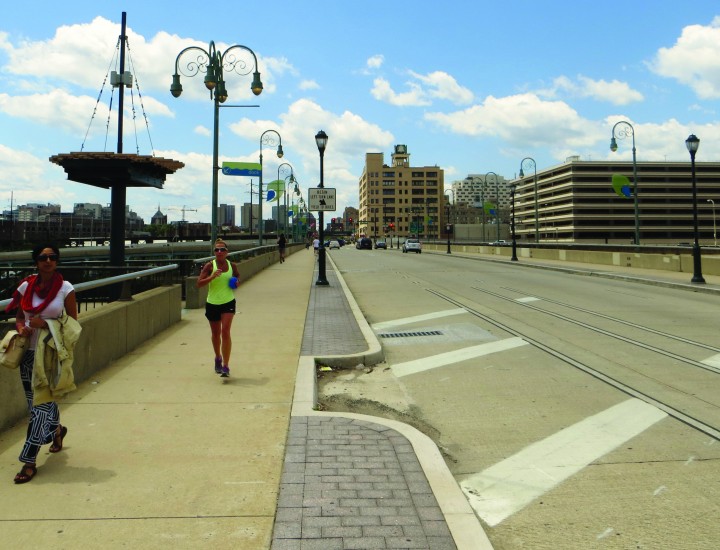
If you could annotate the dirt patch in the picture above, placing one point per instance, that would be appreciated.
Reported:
(374, 391)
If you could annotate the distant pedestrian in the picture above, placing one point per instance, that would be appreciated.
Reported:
(47, 316)
(222, 277)
(281, 247)
(316, 245)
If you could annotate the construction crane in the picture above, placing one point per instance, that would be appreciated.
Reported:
(183, 210)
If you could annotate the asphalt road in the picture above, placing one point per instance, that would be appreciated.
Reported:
(575, 412)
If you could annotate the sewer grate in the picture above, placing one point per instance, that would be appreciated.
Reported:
(408, 334)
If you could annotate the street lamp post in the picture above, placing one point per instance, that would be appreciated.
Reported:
(213, 63)
(497, 202)
(285, 186)
(321, 139)
(512, 222)
(537, 216)
(626, 129)
(265, 140)
(692, 143)
(447, 222)
(714, 226)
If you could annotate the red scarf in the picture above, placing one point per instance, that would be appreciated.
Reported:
(47, 294)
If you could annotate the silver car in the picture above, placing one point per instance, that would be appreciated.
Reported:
(412, 245)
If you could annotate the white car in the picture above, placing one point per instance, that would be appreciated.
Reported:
(334, 244)
(412, 245)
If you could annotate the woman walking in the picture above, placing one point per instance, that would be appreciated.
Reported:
(222, 277)
(44, 299)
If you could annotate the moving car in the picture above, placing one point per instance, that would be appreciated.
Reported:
(412, 245)
(380, 243)
(364, 243)
(334, 244)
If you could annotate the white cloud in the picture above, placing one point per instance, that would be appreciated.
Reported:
(309, 85)
(202, 131)
(382, 91)
(443, 86)
(694, 60)
(375, 62)
(615, 92)
(523, 119)
(349, 138)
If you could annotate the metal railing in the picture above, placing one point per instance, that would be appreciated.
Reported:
(118, 287)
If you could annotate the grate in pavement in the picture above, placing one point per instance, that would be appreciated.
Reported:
(410, 334)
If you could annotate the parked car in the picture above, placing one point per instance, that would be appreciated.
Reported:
(364, 243)
(334, 244)
(412, 245)
(380, 243)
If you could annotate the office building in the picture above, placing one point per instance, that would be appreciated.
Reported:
(400, 199)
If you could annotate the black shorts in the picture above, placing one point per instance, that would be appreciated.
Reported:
(214, 311)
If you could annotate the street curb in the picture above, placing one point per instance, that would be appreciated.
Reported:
(465, 527)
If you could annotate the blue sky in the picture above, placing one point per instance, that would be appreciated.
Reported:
(470, 86)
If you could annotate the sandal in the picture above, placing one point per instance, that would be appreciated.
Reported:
(26, 473)
(57, 445)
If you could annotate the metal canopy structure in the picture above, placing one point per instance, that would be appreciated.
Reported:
(117, 171)
(105, 169)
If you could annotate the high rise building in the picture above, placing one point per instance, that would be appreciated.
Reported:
(249, 215)
(400, 199)
(226, 215)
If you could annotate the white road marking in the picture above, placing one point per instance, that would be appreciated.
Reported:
(510, 485)
(527, 299)
(417, 318)
(713, 361)
(450, 357)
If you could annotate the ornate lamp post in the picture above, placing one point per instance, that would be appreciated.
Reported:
(692, 143)
(714, 226)
(285, 186)
(497, 202)
(265, 140)
(537, 216)
(214, 63)
(512, 222)
(321, 139)
(626, 129)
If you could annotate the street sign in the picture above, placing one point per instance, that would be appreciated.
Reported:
(241, 169)
(321, 199)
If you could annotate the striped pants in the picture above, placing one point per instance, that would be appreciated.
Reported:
(44, 418)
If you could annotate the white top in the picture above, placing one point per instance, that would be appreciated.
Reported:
(53, 310)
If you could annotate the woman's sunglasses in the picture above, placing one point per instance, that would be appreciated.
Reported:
(221, 249)
(45, 257)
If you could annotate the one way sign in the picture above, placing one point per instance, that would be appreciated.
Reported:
(321, 199)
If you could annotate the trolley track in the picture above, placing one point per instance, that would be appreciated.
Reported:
(689, 420)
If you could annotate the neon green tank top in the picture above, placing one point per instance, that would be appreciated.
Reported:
(219, 291)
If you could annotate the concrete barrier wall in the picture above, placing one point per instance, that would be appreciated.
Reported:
(682, 263)
(109, 332)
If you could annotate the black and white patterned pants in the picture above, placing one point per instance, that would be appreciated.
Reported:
(44, 418)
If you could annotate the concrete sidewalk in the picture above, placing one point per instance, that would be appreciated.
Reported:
(161, 452)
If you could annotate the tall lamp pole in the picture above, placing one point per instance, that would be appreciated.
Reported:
(514, 257)
(537, 216)
(447, 222)
(497, 202)
(265, 140)
(714, 226)
(213, 63)
(626, 129)
(285, 186)
(321, 139)
(692, 143)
